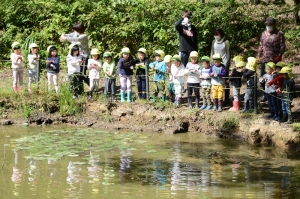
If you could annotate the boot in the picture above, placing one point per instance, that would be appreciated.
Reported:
(177, 102)
(129, 93)
(197, 103)
(154, 98)
(284, 118)
(251, 106)
(139, 95)
(91, 94)
(246, 107)
(289, 120)
(279, 114)
(122, 96)
(236, 106)
(190, 102)
(215, 101)
(20, 89)
(163, 98)
(220, 105)
(113, 98)
(144, 96)
(15, 89)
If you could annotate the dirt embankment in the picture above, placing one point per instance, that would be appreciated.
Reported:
(148, 118)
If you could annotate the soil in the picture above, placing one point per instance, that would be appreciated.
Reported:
(145, 116)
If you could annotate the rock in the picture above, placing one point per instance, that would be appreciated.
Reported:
(6, 122)
(181, 126)
(25, 124)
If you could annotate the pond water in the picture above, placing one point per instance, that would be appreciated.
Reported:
(139, 165)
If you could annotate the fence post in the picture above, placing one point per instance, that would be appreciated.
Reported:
(255, 93)
(147, 82)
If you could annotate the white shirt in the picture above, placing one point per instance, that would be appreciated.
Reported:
(73, 64)
(33, 62)
(178, 73)
(94, 66)
(193, 77)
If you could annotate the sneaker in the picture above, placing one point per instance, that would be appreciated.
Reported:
(202, 107)
(208, 108)
(74, 96)
(220, 109)
(276, 118)
(215, 108)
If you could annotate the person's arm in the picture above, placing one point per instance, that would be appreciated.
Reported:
(111, 69)
(223, 72)
(31, 60)
(273, 81)
(119, 66)
(247, 73)
(14, 59)
(210, 71)
(262, 79)
(178, 25)
(73, 38)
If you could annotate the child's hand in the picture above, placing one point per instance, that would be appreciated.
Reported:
(227, 81)
(278, 90)
(215, 75)
(120, 75)
(48, 61)
(268, 85)
(80, 61)
(131, 67)
(212, 74)
(138, 65)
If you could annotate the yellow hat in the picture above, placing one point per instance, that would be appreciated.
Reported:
(241, 64)
(280, 64)
(143, 50)
(287, 70)
(33, 45)
(95, 51)
(238, 58)
(125, 50)
(270, 65)
(194, 54)
(160, 53)
(217, 56)
(205, 58)
(252, 63)
(176, 57)
(16, 45)
(167, 58)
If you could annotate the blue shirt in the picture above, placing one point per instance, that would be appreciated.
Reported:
(53, 67)
(124, 66)
(160, 69)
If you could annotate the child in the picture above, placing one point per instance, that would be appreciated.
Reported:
(74, 60)
(110, 75)
(277, 81)
(236, 81)
(177, 71)
(270, 90)
(171, 88)
(159, 75)
(217, 72)
(94, 65)
(33, 62)
(17, 65)
(141, 64)
(287, 93)
(205, 83)
(125, 70)
(193, 81)
(248, 75)
(52, 64)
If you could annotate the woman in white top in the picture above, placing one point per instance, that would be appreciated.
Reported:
(222, 46)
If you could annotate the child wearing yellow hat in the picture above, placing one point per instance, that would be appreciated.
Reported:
(217, 72)
(94, 65)
(109, 70)
(205, 83)
(287, 93)
(33, 61)
(17, 65)
(248, 74)
(125, 70)
(270, 90)
(236, 81)
(171, 89)
(141, 64)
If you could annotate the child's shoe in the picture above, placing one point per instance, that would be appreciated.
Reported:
(202, 107)
(208, 108)
(276, 118)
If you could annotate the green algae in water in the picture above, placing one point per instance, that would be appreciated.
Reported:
(56, 144)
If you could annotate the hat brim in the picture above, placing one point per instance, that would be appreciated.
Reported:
(17, 47)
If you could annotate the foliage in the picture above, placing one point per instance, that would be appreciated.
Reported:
(296, 127)
(112, 24)
(228, 124)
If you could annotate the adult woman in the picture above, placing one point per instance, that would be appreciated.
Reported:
(222, 46)
(79, 36)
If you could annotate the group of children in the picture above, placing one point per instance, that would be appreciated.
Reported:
(202, 75)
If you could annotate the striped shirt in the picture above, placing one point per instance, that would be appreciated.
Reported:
(205, 78)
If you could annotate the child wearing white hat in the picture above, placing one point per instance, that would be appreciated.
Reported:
(33, 61)
(94, 65)
(17, 65)
(74, 60)
(178, 71)
(53, 66)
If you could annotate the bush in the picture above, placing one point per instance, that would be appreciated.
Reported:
(111, 24)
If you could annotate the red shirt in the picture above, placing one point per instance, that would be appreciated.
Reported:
(277, 81)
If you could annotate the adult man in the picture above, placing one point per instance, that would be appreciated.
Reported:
(188, 36)
(271, 47)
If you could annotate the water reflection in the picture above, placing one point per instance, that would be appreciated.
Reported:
(192, 168)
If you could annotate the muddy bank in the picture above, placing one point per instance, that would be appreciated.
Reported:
(146, 117)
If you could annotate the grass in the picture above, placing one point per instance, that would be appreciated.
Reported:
(296, 127)
(228, 124)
